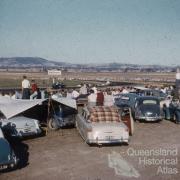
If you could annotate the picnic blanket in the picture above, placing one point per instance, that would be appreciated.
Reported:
(103, 113)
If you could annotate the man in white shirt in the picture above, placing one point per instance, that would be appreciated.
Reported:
(108, 99)
(83, 90)
(92, 98)
(25, 88)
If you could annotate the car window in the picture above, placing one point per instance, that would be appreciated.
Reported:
(149, 101)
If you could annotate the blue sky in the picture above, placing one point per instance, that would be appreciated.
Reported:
(92, 31)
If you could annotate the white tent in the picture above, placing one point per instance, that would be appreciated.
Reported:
(66, 101)
(11, 107)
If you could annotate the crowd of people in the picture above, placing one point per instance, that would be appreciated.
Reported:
(29, 90)
(95, 96)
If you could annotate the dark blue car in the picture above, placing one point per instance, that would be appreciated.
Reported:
(147, 108)
(125, 100)
(7, 156)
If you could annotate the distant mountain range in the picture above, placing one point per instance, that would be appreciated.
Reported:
(21, 62)
(28, 62)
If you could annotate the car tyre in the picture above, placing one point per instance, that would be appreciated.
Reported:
(52, 125)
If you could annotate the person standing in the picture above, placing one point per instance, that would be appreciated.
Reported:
(33, 90)
(83, 90)
(100, 98)
(92, 99)
(108, 99)
(25, 88)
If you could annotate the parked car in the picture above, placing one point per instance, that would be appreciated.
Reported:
(7, 157)
(20, 126)
(151, 92)
(61, 116)
(102, 125)
(62, 113)
(125, 100)
(58, 85)
(148, 108)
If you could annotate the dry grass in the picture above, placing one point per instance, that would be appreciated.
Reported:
(13, 79)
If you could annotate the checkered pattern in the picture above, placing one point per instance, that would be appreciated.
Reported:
(103, 113)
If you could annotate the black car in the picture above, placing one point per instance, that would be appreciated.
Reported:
(148, 108)
(58, 85)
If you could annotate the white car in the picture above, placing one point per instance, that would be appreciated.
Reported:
(20, 126)
(102, 125)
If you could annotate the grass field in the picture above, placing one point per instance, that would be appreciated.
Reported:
(13, 79)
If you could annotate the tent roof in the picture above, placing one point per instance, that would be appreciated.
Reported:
(66, 101)
(12, 107)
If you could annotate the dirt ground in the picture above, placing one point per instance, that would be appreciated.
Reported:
(63, 155)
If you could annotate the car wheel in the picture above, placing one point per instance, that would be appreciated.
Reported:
(52, 124)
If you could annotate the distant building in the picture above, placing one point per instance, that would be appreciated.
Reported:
(54, 72)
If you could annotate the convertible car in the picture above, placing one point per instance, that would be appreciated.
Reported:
(7, 156)
(148, 108)
(102, 125)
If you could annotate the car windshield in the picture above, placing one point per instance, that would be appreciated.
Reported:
(149, 101)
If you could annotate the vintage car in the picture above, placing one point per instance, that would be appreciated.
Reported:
(148, 108)
(62, 113)
(20, 126)
(7, 157)
(102, 125)
(13, 120)
(61, 116)
(125, 100)
(151, 92)
(58, 85)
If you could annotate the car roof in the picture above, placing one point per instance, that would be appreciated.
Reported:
(127, 95)
(141, 98)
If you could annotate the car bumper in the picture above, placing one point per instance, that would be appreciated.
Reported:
(145, 118)
(10, 164)
(26, 133)
(105, 141)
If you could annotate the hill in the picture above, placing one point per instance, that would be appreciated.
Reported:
(28, 62)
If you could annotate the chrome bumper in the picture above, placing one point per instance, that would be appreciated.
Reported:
(149, 118)
(105, 141)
